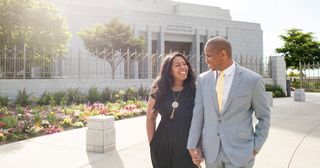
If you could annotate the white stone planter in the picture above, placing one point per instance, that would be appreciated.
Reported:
(269, 98)
(299, 95)
(101, 134)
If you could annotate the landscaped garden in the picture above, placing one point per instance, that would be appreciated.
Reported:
(54, 112)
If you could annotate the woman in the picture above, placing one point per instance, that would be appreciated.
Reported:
(172, 95)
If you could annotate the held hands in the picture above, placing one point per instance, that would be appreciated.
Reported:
(196, 156)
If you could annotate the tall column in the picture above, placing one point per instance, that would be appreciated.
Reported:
(135, 64)
(278, 71)
(136, 31)
(196, 51)
(161, 41)
(149, 50)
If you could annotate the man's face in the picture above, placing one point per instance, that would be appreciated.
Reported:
(214, 58)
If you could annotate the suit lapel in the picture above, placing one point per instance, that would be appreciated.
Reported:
(212, 91)
(234, 86)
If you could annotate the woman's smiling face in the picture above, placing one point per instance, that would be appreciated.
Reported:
(179, 69)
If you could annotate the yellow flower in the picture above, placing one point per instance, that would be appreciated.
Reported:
(1, 136)
(67, 121)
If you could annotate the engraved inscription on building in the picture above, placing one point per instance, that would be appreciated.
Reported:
(179, 28)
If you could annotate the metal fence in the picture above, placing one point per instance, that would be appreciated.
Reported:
(310, 77)
(33, 63)
(27, 63)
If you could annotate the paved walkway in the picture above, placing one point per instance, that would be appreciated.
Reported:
(294, 142)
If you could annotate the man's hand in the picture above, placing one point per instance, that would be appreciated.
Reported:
(196, 156)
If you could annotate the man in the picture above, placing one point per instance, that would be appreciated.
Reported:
(226, 98)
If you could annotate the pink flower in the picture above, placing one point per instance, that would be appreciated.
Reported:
(2, 124)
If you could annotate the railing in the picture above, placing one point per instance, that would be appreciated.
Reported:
(27, 63)
(33, 63)
(310, 77)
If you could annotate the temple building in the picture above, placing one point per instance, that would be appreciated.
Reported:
(166, 26)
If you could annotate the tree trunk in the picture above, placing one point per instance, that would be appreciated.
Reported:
(301, 77)
(113, 73)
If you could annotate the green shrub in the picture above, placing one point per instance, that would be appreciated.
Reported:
(276, 90)
(278, 93)
(45, 98)
(60, 97)
(10, 121)
(93, 95)
(4, 100)
(119, 95)
(23, 98)
(52, 118)
(106, 95)
(74, 96)
(130, 94)
(295, 83)
(143, 93)
(269, 88)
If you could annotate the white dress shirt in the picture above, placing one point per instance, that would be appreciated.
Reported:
(228, 78)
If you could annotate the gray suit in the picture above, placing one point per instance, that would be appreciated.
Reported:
(233, 127)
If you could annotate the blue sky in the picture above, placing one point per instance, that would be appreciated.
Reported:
(275, 16)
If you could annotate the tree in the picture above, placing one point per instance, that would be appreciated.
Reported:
(111, 41)
(299, 47)
(32, 24)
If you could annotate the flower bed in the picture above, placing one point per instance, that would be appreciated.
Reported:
(18, 123)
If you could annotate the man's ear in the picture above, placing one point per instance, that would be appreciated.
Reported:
(224, 53)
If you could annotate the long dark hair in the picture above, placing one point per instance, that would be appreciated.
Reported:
(164, 81)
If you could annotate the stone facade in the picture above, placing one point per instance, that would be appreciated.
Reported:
(165, 24)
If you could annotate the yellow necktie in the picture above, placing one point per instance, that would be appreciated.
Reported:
(219, 89)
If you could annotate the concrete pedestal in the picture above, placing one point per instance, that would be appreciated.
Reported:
(100, 134)
(299, 95)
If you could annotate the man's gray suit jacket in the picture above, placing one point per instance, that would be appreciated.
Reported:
(233, 126)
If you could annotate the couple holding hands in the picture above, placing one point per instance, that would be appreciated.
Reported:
(209, 119)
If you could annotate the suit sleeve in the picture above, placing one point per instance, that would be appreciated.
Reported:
(197, 118)
(262, 113)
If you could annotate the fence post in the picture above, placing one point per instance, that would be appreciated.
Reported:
(42, 61)
(24, 61)
(128, 63)
(5, 61)
(15, 62)
(79, 64)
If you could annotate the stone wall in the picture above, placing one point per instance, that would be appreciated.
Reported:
(36, 87)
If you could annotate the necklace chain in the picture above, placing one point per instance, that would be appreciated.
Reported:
(174, 104)
(174, 95)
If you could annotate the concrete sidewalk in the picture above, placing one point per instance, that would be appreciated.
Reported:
(294, 141)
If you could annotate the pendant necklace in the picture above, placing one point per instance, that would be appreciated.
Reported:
(174, 104)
